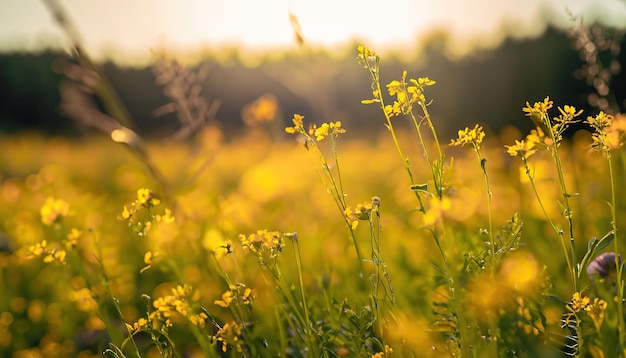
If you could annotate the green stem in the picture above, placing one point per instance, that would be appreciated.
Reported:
(438, 168)
(309, 324)
(492, 241)
(568, 211)
(558, 231)
(405, 160)
(620, 267)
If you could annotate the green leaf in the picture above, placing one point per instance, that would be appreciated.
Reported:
(594, 247)
(419, 187)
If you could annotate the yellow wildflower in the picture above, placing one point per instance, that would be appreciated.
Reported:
(178, 302)
(146, 197)
(472, 136)
(166, 217)
(230, 333)
(227, 298)
(522, 149)
(332, 128)
(38, 249)
(264, 242)
(53, 210)
(351, 218)
(298, 125)
(578, 303)
(125, 213)
(142, 324)
(538, 113)
(55, 255)
(596, 310)
(386, 353)
(72, 237)
(606, 135)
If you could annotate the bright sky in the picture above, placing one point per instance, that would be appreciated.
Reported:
(133, 27)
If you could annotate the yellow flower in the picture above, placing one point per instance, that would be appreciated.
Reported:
(53, 210)
(38, 249)
(166, 217)
(578, 303)
(72, 238)
(263, 243)
(386, 353)
(227, 299)
(146, 197)
(332, 128)
(141, 325)
(125, 213)
(596, 310)
(608, 133)
(298, 125)
(472, 136)
(143, 195)
(55, 255)
(178, 302)
(570, 111)
(351, 218)
(538, 113)
(522, 149)
(230, 333)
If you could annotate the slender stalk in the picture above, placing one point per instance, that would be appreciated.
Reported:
(336, 190)
(405, 160)
(492, 241)
(305, 307)
(558, 231)
(568, 210)
(619, 265)
(341, 193)
(437, 167)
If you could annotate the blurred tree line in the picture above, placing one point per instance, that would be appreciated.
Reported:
(488, 86)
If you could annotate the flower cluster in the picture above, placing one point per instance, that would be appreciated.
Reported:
(524, 148)
(406, 94)
(362, 211)
(146, 201)
(551, 129)
(49, 254)
(538, 113)
(473, 136)
(595, 309)
(230, 333)
(263, 243)
(53, 210)
(609, 133)
(238, 293)
(314, 132)
(386, 353)
(326, 129)
(180, 301)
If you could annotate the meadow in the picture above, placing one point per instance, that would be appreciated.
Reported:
(311, 241)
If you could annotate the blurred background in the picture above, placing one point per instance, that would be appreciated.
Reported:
(279, 57)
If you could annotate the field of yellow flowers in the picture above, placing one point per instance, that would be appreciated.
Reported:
(318, 242)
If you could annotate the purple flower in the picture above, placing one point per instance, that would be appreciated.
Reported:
(603, 265)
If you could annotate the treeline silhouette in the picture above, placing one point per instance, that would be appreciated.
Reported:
(487, 87)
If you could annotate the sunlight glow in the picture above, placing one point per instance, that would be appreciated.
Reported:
(133, 28)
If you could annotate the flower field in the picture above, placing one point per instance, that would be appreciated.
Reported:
(316, 242)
